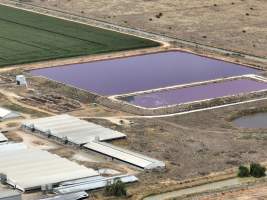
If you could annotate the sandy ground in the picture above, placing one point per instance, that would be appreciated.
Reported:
(238, 25)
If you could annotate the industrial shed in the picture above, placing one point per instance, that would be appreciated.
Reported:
(70, 196)
(12, 147)
(124, 155)
(92, 183)
(3, 138)
(10, 195)
(7, 114)
(72, 129)
(28, 169)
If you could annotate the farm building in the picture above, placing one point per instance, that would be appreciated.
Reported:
(7, 114)
(10, 195)
(27, 169)
(71, 129)
(70, 196)
(21, 80)
(92, 183)
(124, 155)
(3, 138)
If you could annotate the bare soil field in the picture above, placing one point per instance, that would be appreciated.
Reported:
(238, 25)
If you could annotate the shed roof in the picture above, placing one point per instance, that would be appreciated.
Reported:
(3, 138)
(30, 168)
(6, 114)
(74, 129)
(71, 196)
(92, 183)
(9, 193)
(125, 155)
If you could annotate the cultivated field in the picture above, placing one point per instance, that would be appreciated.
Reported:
(27, 37)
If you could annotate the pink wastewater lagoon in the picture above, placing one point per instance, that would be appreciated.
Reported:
(146, 72)
(195, 93)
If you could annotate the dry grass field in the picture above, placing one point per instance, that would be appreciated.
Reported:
(193, 145)
(238, 25)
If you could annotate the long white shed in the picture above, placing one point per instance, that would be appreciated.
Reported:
(124, 155)
(7, 114)
(28, 169)
(72, 129)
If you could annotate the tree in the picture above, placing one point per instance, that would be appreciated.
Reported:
(256, 170)
(117, 188)
(243, 171)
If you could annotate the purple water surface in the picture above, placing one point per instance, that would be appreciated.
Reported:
(138, 73)
(195, 93)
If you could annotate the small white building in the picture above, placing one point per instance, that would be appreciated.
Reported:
(21, 80)
(7, 114)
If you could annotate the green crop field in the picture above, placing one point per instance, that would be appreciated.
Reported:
(27, 37)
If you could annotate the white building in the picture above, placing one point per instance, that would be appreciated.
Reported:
(27, 169)
(7, 114)
(72, 129)
(21, 80)
(125, 155)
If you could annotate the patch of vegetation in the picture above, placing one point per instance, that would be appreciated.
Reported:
(28, 37)
(243, 172)
(255, 170)
(256, 136)
(159, 15)
(117, 188)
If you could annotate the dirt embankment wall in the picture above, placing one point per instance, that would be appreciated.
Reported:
(126, 107)
(48, 86)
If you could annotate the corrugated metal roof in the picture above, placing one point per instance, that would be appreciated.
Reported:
(12, 147)
(9, 193)
(30, 168)
(75, 130)
(92, 183)
(71, 196)
(6, 114)
(125, 155)
(3, 138)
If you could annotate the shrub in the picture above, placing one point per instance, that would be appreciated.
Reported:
(256, 170)
(118, 189)
(243, 171)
